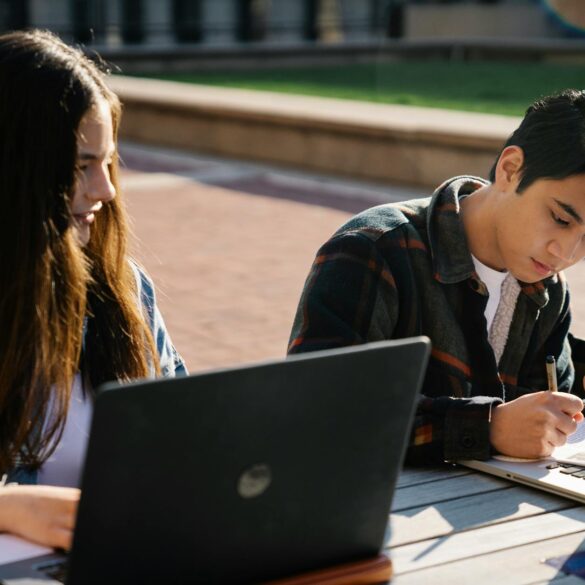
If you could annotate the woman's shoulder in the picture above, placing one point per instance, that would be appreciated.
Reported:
(144, 284)
(171, 362)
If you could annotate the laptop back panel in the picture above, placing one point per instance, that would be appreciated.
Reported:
(248, 474)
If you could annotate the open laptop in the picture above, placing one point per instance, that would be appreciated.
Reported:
(563, 473)
(242, 475)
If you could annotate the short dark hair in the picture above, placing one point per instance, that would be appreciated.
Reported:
(552, 137)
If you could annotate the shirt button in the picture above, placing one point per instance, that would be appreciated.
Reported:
(467, 441)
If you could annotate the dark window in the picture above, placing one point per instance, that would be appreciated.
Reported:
(80, 13)
(187, 20)
(132, 21)
(88, 18)
(251, 20)
(18, 14)
(310, 28)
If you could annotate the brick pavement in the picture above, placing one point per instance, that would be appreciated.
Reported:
(229, 246)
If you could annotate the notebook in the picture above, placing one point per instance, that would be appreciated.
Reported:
(242, 475)
(563, 473)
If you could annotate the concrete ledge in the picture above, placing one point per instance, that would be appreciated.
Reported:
(417, 146)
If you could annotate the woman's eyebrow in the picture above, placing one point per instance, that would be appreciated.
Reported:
(92, 156)
(86, 156)
(570, 210)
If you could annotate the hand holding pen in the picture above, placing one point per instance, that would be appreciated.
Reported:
(533, 424)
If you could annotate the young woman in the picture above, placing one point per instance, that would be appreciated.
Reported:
(74, 310)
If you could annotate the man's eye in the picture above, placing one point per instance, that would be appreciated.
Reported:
(559, 220)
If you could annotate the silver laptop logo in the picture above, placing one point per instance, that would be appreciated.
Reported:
(254, 481)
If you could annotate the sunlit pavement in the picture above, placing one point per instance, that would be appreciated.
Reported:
(229, 245)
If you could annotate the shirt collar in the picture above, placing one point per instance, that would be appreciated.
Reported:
(451, 258)
(538, 291)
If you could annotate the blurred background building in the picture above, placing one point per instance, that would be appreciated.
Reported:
(119, 23)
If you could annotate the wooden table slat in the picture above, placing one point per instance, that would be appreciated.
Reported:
(446, 489)
(522, 565)
(464, 513)
(487, 539)
(411, 476)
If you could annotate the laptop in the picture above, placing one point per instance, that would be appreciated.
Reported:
(242, 475)
(563, 473)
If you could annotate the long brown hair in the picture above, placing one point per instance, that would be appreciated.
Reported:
(51, 289)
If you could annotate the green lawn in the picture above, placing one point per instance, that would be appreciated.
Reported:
(502, 88)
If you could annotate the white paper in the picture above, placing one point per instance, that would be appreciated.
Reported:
(574, 449)
(579, 435)
(13, 548)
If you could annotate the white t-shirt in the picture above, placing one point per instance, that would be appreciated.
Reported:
(503, 291)
(493, 279)
(63, 468)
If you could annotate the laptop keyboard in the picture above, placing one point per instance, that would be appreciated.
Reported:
(567, 469)
(55, 569)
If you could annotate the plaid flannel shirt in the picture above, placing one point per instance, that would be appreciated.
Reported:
(400, 270)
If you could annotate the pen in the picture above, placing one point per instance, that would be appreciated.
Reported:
(551, 373)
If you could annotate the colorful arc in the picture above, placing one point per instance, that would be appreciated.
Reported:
(569, 13)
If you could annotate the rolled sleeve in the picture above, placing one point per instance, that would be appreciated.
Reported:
(451, 429)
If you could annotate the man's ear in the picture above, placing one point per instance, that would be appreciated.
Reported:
(509, 167)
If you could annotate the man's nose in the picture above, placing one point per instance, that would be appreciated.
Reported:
(565, 249)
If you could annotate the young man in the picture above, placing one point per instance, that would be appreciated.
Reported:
(477, 268)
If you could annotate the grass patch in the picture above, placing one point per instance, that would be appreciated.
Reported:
(493, 87)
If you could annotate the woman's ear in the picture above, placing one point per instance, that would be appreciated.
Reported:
(509, 168)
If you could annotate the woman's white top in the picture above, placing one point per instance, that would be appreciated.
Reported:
(64, 466)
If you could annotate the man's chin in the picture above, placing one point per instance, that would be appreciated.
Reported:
(523, 277)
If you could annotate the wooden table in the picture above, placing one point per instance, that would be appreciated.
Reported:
(452, 525)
